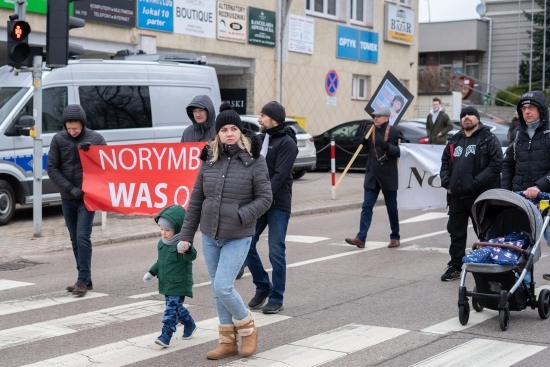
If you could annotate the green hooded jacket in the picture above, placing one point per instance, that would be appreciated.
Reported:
(174, 270)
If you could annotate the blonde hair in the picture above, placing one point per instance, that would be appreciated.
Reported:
(243, 143)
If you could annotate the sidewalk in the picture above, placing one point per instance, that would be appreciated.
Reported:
(311, 194)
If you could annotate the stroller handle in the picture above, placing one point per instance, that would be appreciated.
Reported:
(540, 196)
(503, 245)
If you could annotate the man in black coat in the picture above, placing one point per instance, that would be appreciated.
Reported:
(526, 165)
(280, 151)
(470, 165)
(65, 170)
(383, 150)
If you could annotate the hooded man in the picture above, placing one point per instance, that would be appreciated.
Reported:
(203, 117)
(526, 165)
(470, 165)
(65, 171)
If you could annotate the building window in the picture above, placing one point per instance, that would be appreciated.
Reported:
(358, 11)
(405, 2)
(324, 8)
(359, 87)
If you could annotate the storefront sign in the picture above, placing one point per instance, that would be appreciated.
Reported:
(231, 22)
(399, 27)
(195, 18)
(355, 44)
(157, 15)
(122, 13)
(33, 6)
(261, 27)
(301, 34)
(237, 99)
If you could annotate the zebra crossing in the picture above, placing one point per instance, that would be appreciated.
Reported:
(325, 348)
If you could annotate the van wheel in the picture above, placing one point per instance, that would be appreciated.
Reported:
(298, 174)
(7, 202)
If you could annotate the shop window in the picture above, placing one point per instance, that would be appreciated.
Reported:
(359, 87)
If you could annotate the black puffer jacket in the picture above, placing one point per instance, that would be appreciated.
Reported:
(475, 165)
(280, 158)
(527, 161)
(64, 167)
(229, 194)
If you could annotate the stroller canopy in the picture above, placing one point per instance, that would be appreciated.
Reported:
(498, 212)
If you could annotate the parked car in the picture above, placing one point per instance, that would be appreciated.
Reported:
(349, 135)
(306, 159)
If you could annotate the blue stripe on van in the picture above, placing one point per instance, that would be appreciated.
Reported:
(26, 162)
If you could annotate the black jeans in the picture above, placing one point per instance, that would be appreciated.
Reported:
(457, 226)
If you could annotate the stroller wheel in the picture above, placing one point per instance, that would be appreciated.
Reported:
(476, 305)
(544, 304)
(504, 319)
(464, 313)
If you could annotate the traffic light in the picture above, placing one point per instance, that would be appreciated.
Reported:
(58, 23)
(19, 51)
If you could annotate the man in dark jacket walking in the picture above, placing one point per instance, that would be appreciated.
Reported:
(383, 149)
(470, 165)
(438, 124)
(526, 165)
(280, 151)
(203, 117)
(65, 170)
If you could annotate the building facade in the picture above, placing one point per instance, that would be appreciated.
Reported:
(333, 54)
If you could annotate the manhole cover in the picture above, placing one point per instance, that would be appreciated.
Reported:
(17, 264)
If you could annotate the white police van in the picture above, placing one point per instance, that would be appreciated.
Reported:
(128, 101)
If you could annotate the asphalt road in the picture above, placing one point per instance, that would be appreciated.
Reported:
(343, 306)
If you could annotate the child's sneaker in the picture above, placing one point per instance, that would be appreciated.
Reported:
(164, 338)
(189, 329)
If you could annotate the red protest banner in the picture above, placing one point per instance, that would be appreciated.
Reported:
(139, 178)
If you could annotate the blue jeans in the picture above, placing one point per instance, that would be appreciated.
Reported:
(175, 312)
(79, 223)
(277, 220)
(224, 258)
(370, 197)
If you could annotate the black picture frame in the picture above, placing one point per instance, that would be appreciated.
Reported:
(389, 91)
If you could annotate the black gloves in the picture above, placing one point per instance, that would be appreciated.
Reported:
(384, 145)
(364, 142)
(76, 192)
(85, 146)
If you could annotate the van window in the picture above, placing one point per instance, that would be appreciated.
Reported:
(116, 107)
(9, 97)
(54, 101)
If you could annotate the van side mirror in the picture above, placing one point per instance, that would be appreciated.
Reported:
(21, 127)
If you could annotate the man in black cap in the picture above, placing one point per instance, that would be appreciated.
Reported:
(470, 165)
(383, 149)
(526, 165)
(65, 170)
(280, 150)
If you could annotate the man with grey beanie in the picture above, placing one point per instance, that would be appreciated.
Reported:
(65, 171)
(280, 150)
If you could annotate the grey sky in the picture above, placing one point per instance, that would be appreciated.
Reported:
(443, 10)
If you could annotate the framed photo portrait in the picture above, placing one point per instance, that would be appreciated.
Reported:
(391, 94)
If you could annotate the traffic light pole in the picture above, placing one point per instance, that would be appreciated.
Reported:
(37, 147)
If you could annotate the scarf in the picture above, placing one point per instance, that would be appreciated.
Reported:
(171, 241)
(265, 145)
(531, 127)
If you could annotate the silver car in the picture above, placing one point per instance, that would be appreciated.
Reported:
(306, 159)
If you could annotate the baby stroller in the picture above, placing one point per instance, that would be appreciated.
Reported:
(497, 213)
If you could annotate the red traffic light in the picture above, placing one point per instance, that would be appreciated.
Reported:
(20, 30)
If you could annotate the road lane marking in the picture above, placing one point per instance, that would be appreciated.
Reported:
(9, 284)
(143, 347)
(81, 322)
(305, 239)
(482, 353)
(425, 217)
(421, 248)
(426, 235)
(43, 300)
(368, 247)
(323, 348)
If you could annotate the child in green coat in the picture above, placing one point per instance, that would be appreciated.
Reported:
(174, 270)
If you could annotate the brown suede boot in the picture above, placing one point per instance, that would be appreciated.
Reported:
(249, 335)
(228, 343)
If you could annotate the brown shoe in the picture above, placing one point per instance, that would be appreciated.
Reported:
(394, 243)
(90, 286)
(355, 242)
(80, 289)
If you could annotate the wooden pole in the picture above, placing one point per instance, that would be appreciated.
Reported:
(353, 158)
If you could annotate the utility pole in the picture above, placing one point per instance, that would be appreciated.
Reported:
(284, 7)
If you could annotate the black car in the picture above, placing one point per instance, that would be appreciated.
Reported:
(498, 129)
(349, 135)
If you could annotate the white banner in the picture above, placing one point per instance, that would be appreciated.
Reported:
(419, 181)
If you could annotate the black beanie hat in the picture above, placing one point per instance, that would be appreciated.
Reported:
(228, 116)
(275, 111)
(74, 112)
(469, 111)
